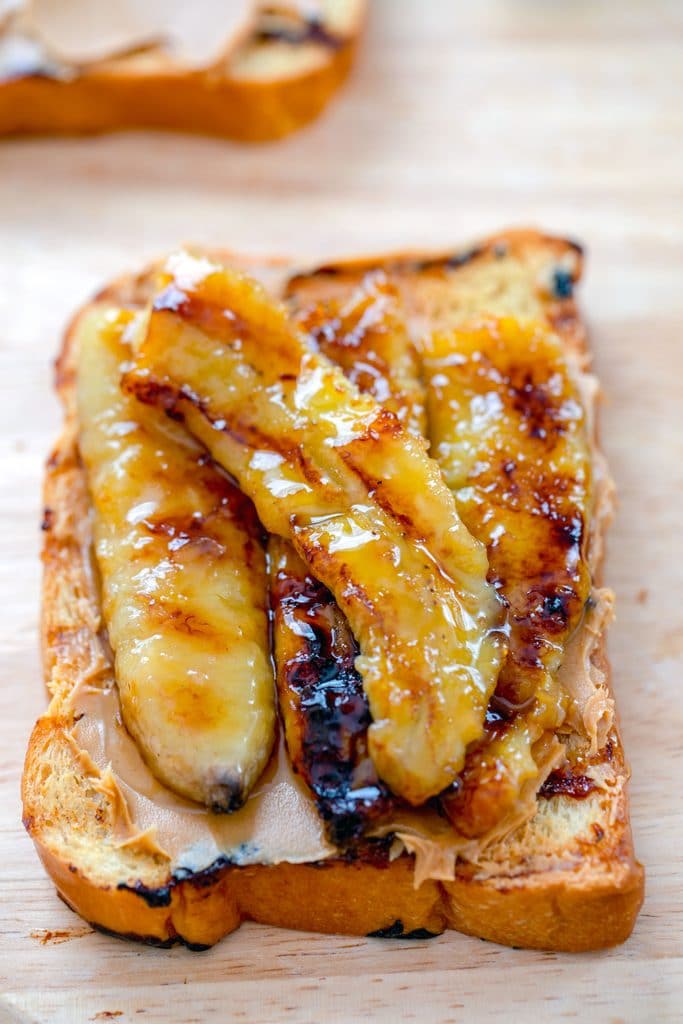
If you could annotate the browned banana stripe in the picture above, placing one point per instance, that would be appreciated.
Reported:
(366, 335)
(508, 429)
(513, 746)
(182, 571)
(323, 705)
(363, 335)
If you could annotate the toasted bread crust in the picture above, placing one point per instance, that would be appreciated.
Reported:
(128, 94)
(562, 913)
(532, 891)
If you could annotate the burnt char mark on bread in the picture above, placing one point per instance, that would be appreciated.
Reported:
(277, 26)
(396, 931)
(161, 896)
(410, 264)
(414, 264)
(447, 262)
(151, 940)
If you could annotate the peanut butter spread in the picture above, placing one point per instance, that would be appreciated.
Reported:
(77, 33)
(279, 821)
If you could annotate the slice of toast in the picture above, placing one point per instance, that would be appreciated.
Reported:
(278, 75)
(567, 879)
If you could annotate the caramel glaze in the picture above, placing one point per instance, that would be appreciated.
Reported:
(573, 779)
(323, 705)
(181, 562)
(354, 336)
(335, 474)
(565, 782)
(509, 432)
(526, 509)
(550, 604)
(367, 337)
(529, 502)
(322, 702)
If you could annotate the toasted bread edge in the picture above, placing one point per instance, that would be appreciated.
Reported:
(118, 95)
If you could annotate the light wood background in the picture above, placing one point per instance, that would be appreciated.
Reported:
(461, 118)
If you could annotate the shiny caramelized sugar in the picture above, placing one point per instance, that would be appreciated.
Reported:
(508, 429)
(183, 580)
(365, 508)
(324, 708)
(393, 677)
(366, 336)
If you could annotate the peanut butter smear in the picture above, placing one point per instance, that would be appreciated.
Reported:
(77, 33)
(80, 32)
(279, 822)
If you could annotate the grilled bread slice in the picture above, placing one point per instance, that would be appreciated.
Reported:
(279, 67)
(565, 878)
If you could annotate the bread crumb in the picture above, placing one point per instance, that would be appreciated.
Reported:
(55, 937)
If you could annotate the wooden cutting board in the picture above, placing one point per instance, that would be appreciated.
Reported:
(461, 118)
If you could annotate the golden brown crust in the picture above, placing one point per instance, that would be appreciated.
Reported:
(127, 94)
(364, 899)
(566, 910)
(537, 888)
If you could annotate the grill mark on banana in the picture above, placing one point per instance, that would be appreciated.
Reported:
(509, 432)
(404, 570)
(366, 336)
(183, 578)
(324, 708)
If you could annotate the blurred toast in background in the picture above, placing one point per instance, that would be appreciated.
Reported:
(246, 71)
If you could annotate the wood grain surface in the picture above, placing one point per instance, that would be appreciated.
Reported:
(460, 119)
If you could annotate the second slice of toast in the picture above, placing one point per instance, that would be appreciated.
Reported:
(272, 80)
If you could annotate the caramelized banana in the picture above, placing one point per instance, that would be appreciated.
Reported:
(367, 511)
(324, 708)
(508, 429)
(183, 577)
(366, 336)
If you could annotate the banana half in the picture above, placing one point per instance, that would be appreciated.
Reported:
(182, 565)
